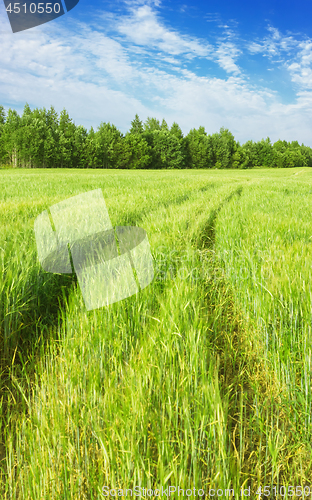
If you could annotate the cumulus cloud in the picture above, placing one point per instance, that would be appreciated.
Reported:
(301, 71)
(143, 66)
(226, 55)
(273, 44)
(143, 27)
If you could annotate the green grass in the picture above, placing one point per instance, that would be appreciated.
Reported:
(200, 380)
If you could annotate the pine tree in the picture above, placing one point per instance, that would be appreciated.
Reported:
(10, 137)
(164, 125)
(132, 152)
(106, 138)
(198, 148)
(151, 124)
(66, 131)
(136, 126)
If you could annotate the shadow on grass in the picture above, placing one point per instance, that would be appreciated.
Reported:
(24, 331)
(31, 320)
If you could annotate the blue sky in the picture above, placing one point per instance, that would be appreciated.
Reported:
(242, 65)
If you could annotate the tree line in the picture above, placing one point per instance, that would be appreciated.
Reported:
(42, 139)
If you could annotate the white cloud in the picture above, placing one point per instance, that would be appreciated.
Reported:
(301, 71)
(273, 44)
(226, 54)
(212, 17)
(275, 33)
(97, 77)
(255, 48)
(142, 27)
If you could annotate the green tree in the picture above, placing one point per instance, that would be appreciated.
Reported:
(10, 137)
(223, 147)
(278, 159)
(80, 150)
(280, 146)
(167, 150)
(251, 150)
(107, 138)
(294, 145)
(151, 124)
(37, 135)
(237, 158)
(164, 125)
(245, 160)
(40, 139)
(132, 152)
(287, 155)
(307, 153)
(294, 158)
(176, 131)
(198, 147)
(136, 126)
(91, 150)
(66, 132)
(51, 146)
(264, 152)
(2, 115)
(3, 154)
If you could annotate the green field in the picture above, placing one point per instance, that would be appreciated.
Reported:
(202, 380)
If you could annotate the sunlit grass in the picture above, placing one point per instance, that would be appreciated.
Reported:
(187, 383)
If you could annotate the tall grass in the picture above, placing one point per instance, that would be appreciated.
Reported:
(265, 243)
(173, 386)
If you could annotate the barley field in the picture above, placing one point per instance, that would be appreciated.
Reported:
(201, 380)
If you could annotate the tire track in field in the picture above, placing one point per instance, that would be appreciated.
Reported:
(227, 334)
(66, 283)
(207, 237)
(248, 389)
(134, 217)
